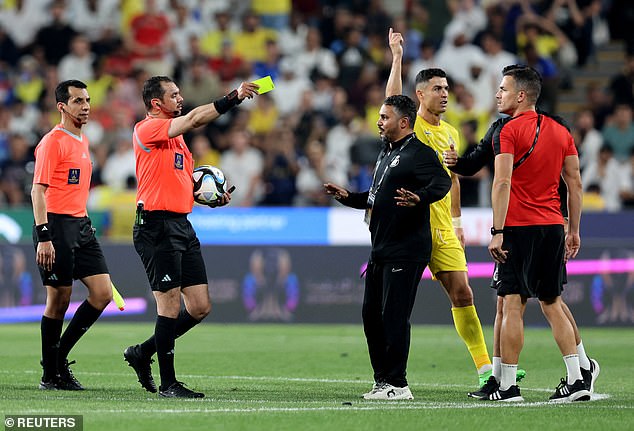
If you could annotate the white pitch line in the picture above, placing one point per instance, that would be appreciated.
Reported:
(306, 380)
(367, 406)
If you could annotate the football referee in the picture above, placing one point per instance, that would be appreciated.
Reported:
(64, 239)
(163, 237)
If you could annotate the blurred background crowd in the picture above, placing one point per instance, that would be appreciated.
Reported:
(329, 60)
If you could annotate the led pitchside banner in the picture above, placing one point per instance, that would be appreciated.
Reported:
(305, 226)
(320, 284)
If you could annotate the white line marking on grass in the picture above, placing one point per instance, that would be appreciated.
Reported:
(363, 406)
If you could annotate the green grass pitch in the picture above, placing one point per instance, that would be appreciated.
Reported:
(310, 377)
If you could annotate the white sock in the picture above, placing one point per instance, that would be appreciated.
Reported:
(497, 368)
(485, 368)
(509, 371)
(584, 361)
(572, 367)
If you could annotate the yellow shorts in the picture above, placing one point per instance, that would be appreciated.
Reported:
(446, 252)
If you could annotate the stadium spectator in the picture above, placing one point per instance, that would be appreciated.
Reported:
(619, 131)
(200, 84)
(447, 261)
(264, 115)
(242, 165)
(274, 14)
(587, 138)
(622, 84)
(211, 43)
(78, 63)
(270, 65)
(175, 267)
(280, 168)
(315, 169)
(53, 39)
(292, 39)
(148, 40)
(608, 174)
(203, 152)
(250, 42)
(627, 192)
(228, 64)
(289, 88)
(65, 242)
(314, 58)
(352, 58)
(98, 20)
(397, 212)
(22, 20)
(598, 101)
(15, 179)
(183, 29)
(120, 165)
(495, 57)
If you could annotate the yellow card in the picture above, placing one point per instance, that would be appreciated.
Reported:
(266, 84)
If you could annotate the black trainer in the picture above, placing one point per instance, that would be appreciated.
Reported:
(490, 386)
(142, 367)
(512, 394)
(66, 380)
(178, 390)
(590, 376)
(48, 385)
(575, 392)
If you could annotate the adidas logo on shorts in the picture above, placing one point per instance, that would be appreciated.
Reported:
(166, 278)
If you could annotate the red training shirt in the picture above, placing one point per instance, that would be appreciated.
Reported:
(62, 162)
(164, 167)
(534, 197)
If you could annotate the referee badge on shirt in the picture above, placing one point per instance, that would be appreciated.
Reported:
(73, 176)
(178, 161)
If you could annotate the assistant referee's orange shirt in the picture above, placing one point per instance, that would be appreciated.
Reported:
(62, 162)
(164, 167)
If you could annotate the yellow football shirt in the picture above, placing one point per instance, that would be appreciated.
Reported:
(439, 138)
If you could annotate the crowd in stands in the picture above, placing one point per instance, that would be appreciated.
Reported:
(329, 61)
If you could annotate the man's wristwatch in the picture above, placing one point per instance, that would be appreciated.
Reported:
(495, 231)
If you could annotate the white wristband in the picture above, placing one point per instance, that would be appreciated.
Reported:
(456, 222)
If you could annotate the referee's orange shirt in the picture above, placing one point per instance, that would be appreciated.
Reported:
(164, 167)
(62, 162)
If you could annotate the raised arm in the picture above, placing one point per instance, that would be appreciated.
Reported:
(204, 114)
(394, 82)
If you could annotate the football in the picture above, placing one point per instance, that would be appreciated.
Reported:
(209, 184)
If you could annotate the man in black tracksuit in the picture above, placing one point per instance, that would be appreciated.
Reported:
(408, 177)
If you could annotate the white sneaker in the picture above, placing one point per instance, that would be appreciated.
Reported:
(389, 392)
(375, 388)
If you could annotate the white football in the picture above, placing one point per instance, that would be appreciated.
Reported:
(209, 184)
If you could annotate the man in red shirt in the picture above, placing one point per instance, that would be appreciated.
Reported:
(163, 237)
(528, 242)
(64, 239)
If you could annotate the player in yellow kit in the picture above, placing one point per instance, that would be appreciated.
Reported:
(448, 263)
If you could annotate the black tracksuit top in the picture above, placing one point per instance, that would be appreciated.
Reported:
(403, 234)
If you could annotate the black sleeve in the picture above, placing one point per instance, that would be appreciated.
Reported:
(563, 197)
(356, 200)
(471, 163)
(430, 172)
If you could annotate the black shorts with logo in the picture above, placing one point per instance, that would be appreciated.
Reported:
(77, 251)
(535, 262)
(169, 250)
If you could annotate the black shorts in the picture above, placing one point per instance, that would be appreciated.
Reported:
(169, 250)
(77, 251)
(535, 261)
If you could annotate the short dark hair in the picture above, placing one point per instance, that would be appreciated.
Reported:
(61, 91)
(526, 79)
(427, 74)
(153, 89)
(403, 106)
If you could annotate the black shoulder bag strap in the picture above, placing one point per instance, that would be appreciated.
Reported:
(530, 150)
